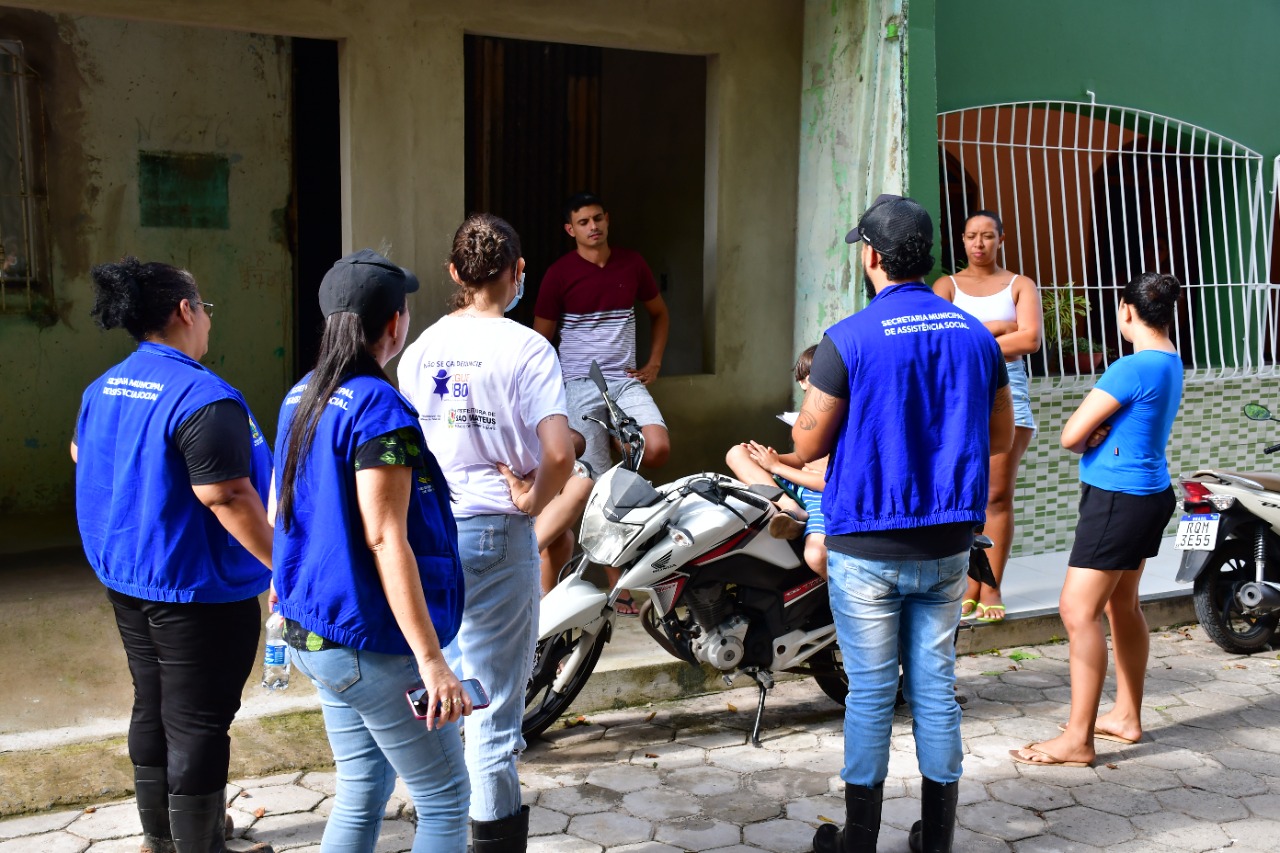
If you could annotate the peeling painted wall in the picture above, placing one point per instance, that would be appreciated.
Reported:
(852, 130)
(402, 114)
(114, 90)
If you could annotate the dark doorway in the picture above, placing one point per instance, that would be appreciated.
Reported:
(316, 211)
(533, 139)
(1134, 187)
(546, 120)
(959, 198)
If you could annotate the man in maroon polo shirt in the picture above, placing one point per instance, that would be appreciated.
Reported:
(589, 297)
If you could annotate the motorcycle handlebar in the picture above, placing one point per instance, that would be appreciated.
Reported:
(1272, 449)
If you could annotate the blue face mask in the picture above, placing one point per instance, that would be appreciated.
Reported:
(515, 300)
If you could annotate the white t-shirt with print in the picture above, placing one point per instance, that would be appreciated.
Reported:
(481, 386)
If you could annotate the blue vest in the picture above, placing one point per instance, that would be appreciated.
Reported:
(324, 572)
(913, 450)
(144, 531)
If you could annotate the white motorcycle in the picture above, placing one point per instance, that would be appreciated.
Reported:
(1229, 536)
(721, 590)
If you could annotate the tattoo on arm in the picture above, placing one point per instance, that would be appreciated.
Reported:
(806, 421)
(1004, 401)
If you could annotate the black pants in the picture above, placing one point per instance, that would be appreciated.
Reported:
(189, 664)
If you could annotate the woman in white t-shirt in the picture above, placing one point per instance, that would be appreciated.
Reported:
(490, 398)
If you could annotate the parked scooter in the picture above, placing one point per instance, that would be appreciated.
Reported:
(1230, 539)
(721, 590)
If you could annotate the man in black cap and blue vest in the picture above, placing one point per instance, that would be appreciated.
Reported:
(910, 397)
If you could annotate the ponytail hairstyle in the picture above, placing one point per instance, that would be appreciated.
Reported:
(1154, 296)
(484, 247)
(140, 297)
(344, 353)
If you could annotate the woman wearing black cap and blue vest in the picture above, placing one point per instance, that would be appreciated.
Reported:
(368, 575)
(171, 475)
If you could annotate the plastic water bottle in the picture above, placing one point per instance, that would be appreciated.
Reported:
(275, 658)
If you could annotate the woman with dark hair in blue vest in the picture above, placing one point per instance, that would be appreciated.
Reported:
(367, 567)
(171, 475)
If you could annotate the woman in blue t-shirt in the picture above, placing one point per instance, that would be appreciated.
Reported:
(1122, 429)
(369, 580)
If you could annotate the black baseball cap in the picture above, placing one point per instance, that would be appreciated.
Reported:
(889, 222)
(367, 284)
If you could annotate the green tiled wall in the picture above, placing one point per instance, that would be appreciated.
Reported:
(1211, 432)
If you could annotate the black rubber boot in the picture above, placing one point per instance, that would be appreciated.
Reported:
(151, 787)
(862, 823)
(937, 824)
(199, 824)
(508, 835)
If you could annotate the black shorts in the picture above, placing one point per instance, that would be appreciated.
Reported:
(1117, 531)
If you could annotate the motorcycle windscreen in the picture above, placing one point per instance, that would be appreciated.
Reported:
(628, 491)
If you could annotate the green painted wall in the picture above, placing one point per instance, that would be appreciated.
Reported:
(118, 95)
(1202, 61)
(920, 73)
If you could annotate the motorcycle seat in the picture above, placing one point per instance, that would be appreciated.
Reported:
(1268, 481)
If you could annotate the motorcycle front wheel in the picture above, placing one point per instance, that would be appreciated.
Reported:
(1229, 568)
(542, 705)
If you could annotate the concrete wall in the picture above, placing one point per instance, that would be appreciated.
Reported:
(402, 134)
(113, 89)
(852, 129)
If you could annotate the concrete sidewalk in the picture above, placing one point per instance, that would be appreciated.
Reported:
(679, 776)
(63, 720)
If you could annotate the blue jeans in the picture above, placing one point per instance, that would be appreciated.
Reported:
(883, 609)
(375, 737)
(495, 645)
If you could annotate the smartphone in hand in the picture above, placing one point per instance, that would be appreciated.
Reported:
(418, 698)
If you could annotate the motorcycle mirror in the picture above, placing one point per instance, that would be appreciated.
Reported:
(597, 376)
(1256, 412)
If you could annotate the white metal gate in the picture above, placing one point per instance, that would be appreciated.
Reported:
(1091, 195)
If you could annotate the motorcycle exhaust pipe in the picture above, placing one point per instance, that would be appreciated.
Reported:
(1260, 597)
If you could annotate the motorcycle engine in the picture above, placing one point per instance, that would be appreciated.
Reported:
(723, 646)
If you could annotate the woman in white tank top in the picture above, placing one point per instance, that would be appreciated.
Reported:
(1008, 304)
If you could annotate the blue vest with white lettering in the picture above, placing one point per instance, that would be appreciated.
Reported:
(145, 532)
(324, 572)
(913, 450)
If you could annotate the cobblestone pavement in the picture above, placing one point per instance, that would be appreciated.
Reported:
(680, 776)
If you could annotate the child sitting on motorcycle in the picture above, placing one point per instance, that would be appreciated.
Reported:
(801, 503)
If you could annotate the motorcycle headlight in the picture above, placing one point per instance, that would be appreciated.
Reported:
(605, 540)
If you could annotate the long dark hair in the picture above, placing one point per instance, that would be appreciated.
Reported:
(344, 353)
(484, 247)
(140, 297)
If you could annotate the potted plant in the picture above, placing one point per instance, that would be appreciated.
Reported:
(1065, 312)
(1085, 355)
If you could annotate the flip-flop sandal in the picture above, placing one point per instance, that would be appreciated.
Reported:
(629, 604)
(1099, 734)
(1053, 761)
(968, 614)
(983, 609)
